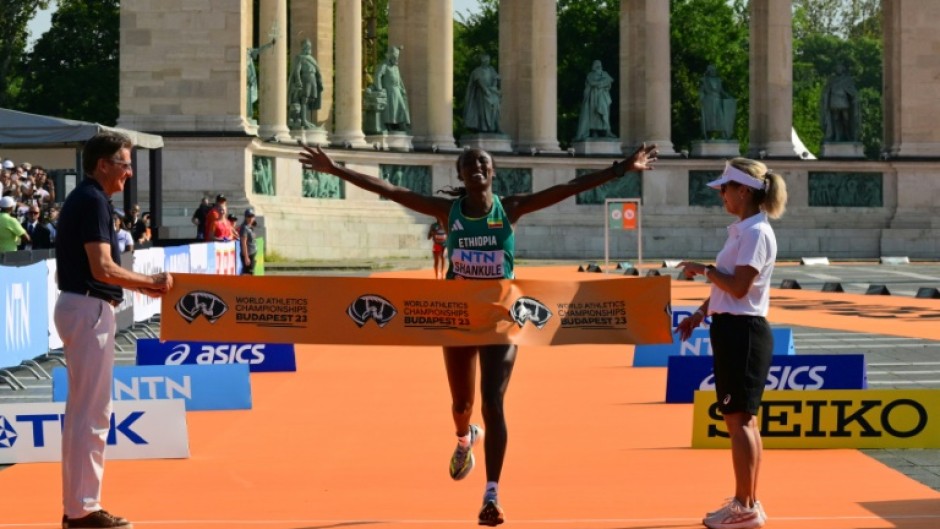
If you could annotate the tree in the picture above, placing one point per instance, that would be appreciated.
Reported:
(15, 15)
(72, 71)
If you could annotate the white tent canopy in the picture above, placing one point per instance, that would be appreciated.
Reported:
(21, 129)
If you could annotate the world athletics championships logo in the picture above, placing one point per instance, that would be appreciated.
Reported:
(7, 433)
(198, 303)
(530, 309)
(371, 307)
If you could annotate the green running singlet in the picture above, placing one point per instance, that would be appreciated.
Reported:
(480, 248)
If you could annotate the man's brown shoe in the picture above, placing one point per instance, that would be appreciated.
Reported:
(96, 520)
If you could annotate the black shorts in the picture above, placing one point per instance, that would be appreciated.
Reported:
(743, 350)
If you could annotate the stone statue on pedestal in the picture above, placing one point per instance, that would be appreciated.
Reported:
(839, 108)
(718, 106)
(481, 105)
(387, 80)
(252, 78)
(594, 121)
(305, 89)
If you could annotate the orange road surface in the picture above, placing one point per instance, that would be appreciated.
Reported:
(362, 436)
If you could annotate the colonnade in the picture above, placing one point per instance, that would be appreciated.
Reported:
(184, 71)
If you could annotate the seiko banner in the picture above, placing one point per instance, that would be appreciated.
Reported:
(700, 344)
(153, 429)
(210, 387)
(687, 374)
(398, 311)
(257, 356)
(864, 418)
(24, 314)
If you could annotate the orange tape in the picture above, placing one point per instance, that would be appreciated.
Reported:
(395, 311)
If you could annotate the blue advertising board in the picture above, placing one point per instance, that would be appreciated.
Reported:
(176, 259)
(258, 356)
(211, 387)
(24, 313)
(699, 344)
(687, 374)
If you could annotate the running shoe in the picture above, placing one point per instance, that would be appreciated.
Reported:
(734, 515)
(461, 463)
(491, 514)
(757, 505)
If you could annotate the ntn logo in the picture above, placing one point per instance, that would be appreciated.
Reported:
(152, 385)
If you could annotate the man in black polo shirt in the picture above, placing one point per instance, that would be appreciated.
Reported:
(92, 281)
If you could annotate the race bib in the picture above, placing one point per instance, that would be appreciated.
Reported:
(478, 264)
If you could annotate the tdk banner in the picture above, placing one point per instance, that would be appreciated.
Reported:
(211, 387)
(258, 356)
(699, 344)
(687, 374)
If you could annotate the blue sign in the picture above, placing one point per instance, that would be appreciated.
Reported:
(215, 387)
(24, 314)
(687, 374)
(258, 356)
(699, 344)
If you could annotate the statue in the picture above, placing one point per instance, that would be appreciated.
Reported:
(594, 121)
(305, 89)
(395, 115)
(262, 178)
(252, 78)
(481, 105)
(718, 106)
(839, 108)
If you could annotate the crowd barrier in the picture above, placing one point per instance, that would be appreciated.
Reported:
(29, 292)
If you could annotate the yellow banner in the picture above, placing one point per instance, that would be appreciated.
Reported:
(396, 311)
(834, 418)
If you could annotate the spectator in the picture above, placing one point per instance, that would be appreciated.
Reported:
(136, 224)
(215, 214)
(248, 247)
(199, 218)
(39, 233)
(11, 231)
(124, 239)
(224, 229)
(233, 220)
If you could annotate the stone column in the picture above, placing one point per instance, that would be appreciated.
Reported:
(911, 70)
(645, 85)
(272, 71)
(771, 81)
(528, 66)
(171, 80)
(348, 95)
(313, 20)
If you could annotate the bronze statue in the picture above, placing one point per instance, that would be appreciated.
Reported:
(305, 89)
(594, 120)
(839, 108)
(481, 105)
(718, 106)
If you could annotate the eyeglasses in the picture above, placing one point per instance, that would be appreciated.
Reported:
(127, 166)
(34, 213)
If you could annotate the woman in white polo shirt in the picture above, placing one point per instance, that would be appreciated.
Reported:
(740, 335)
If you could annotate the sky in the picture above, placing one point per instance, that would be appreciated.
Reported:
(43, 19)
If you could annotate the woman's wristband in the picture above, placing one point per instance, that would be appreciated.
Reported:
(700, 311)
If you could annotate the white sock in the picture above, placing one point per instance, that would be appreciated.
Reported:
(491, 488)
(464, 440)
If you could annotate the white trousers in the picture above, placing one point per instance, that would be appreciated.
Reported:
(86, 326)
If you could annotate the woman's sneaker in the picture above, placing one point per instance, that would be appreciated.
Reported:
(491, 514)
(461, 463)
(757, 505)
(734, 515)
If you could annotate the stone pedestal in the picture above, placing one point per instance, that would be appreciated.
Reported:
(314, 136)
(716, 149)
(490, 142)
(842, 149)
(390, 141)
(598, 146)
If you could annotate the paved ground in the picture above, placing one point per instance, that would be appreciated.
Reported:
(893, 362)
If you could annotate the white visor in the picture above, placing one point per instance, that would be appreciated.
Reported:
(733, 174)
